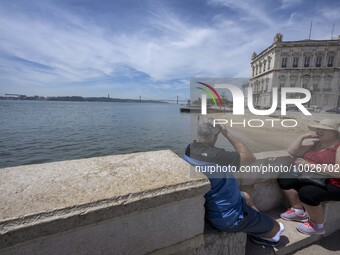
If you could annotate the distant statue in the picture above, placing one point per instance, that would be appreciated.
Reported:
(254, 55)
(278, 37)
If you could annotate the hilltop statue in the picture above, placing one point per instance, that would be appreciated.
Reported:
(254, 55)
(278, 37)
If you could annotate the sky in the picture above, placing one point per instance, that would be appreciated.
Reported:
(148, 48)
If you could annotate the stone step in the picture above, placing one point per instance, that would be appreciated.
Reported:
(291, 240)
(329, 245)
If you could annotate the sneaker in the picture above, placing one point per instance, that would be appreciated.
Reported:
(310, 228)
(290, 214)
(261, 241)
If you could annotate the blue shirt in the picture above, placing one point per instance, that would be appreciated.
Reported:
(223, 203)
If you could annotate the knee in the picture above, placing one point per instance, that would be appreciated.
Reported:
(247, 198)
(285, 183)
(249, 201)
(308, 196)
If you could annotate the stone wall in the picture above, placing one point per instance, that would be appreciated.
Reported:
(263, 187)
(124, 204)
(138, 203)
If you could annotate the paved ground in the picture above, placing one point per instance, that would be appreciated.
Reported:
(326, 246)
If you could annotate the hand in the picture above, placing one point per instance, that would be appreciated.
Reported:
(224, 130)
(301, 161)
(309, 135)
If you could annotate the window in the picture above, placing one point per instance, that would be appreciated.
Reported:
(295, 61)
(253, 71)
(260, 68)
(264, 66)
(269, 63)
(318, 61)
(257, 68)
(307, 60)
(330, 61)
(284, 63)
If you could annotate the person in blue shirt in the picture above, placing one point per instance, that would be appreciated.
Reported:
(226, 207)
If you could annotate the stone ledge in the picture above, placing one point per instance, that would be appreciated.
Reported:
(140, 232)
(261, 186)
(43, 199)
(332, 216)
(212, 241)
(219, 242)
(272, 158)
(291, 239)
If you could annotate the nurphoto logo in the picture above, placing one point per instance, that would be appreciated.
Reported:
(238, 99)
(243, 97)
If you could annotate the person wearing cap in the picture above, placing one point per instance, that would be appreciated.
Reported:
(305, 197)
(226, 207)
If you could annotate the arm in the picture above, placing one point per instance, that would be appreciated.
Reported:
(246, 156)
(329, 169)
(336, 166)
(297, 149)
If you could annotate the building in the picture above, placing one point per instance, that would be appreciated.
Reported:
(310, 64)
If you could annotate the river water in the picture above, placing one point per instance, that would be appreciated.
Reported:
(44, 131)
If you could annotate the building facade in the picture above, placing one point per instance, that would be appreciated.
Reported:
(309, 64)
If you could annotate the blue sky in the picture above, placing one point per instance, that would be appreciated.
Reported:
(150, 48)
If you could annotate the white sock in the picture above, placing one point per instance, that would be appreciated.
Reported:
(298, 211)
(276, 238)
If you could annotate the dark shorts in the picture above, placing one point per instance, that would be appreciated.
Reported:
(309, 194)
(253, 222)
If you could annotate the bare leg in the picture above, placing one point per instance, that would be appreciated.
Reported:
(249, 200)
(293, 198)
(315, 213)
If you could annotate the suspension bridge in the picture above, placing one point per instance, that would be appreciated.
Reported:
(176, 99)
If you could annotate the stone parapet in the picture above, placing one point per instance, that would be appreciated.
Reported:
(142, 201)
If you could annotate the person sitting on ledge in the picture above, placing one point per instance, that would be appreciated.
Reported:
(226, 207)
(304, 195)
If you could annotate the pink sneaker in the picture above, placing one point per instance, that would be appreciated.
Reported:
(310, 228)
(290, 214)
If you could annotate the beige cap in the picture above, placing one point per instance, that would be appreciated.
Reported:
(327, 124)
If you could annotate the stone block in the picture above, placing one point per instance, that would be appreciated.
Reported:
(101, 202)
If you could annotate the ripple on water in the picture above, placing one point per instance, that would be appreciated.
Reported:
(38, 132)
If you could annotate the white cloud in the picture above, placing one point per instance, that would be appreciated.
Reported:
(289, 3)
(250, 9)
(83, 51)
(167, 47)
(330, 13)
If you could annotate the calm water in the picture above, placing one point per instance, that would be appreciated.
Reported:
(37, 131)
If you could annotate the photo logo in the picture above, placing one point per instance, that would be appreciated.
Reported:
(210, 94)
(238, 99)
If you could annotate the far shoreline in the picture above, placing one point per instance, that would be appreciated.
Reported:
(83, 99)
